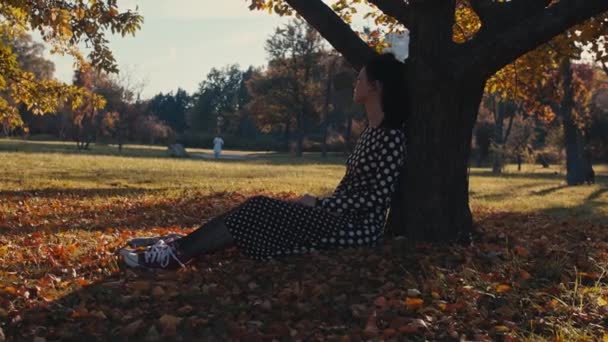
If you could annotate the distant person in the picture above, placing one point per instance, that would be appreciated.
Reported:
(218, 143)
(353, 216)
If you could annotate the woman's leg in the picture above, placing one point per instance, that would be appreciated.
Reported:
(210, 237)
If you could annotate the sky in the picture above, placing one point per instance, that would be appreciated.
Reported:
(181, 40)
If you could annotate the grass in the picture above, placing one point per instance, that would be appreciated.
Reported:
(536, 189)
(538, 274)
(61, 166)
(58, 165)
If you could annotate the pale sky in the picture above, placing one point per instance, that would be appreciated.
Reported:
(181, 40)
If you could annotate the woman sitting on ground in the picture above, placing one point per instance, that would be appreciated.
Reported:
(353, 216)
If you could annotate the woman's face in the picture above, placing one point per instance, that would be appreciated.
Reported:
(364, 89)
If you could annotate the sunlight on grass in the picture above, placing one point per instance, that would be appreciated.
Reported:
(58, 165)
(541, 190)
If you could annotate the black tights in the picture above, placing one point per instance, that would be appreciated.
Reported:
(210, 237)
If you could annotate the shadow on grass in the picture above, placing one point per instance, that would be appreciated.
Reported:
(79, 193)
(513, 191)
(589, 210)
(488, 173)
(600, 179)
(20, 146)
(596, 194)
(550, 190)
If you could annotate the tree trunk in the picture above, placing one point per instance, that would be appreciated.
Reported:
(300, 134)
(286, 135)
(498, 142)
(348, 134)
(326, 113)
(324, 143)
(519, 161)
(433, 196)
(119, 138)
(434, 186)
(575, 161)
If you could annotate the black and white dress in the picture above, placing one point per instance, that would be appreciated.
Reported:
(354, 215)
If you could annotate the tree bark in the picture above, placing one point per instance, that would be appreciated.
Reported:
(498, 141)
(325, 124)
(348, 134)
(434, 198)
(287, 134)
(300, 133)
(576, 164)
(433, 204)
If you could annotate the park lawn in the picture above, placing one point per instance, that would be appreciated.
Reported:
(538, 271)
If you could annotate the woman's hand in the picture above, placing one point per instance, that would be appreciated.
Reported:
(308, 200)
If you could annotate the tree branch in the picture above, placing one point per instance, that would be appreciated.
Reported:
(492, 50)
(495, 14)
(604, 67)
(334, 30)
(394, 8)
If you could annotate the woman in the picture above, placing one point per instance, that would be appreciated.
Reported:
(353, 216)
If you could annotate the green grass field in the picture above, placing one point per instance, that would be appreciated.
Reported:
(57, 165)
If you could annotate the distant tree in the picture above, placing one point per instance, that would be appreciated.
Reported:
(30, 57)
(171, 108)
(219, 95)
(63, 24)
(294, 52)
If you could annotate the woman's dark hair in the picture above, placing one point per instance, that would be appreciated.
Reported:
(390, 72)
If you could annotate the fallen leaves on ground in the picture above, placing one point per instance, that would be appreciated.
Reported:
(526, 276)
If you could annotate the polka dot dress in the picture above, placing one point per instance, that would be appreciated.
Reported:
(354, 215)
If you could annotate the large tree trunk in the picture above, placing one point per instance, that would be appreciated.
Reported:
(576, 165)
(434, 186)
(434, 198)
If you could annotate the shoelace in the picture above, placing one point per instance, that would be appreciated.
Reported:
(161, 253)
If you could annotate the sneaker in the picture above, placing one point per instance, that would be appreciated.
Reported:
(150, 240)
(160, 255)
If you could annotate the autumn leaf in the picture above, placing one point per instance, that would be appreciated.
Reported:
(380, 303)
(501, 328)
(389, 333)
(413, 303)
(502, 288)
(521, 251)
(141, 285)
(524, 275)
(132, 328)
(169, 324)
(371, 326)
(288, 297)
